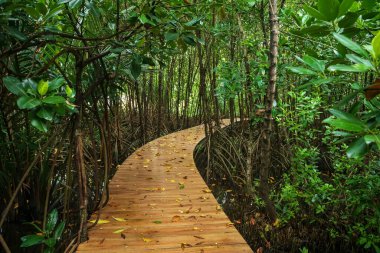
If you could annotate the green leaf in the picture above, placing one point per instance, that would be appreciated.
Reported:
(52, 220)
(30, 240)
(69, 91)
(189, 40)
(144, 20)
(157, 221)
(32, 12)
(201, 41)
(315, 30)
(349, 68)
(356, 59)
(40, 125)
(54, 100)
(59, 230)
(169, 36)
(345, 125)
(26, 102)
(329, 8)
(14, 85)
(75, 3)
(313, 63)
(135, 67)
(45, 114)
(53, 12)
(344, 7)
(341, 134)
(351, 44)
(372, 139)
(376, 45)
(56, 83)
(301, 71)
(357, 149)
(314, 13)
(50, 242)
(348, 20)
(43, 87)
(193, 22)
(347, 116)
(16, 34)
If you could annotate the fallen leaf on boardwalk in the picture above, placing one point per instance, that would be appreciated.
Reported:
(118, 219)
(100, 221)
(101, 242)
(202, 251)
(195, 228)
(172, 181)
(122, 235)
(206, 190)
(181, 186)
(178, 199)
(146, 239)
(198, 210)
(191, 218)
(154, 189)
(218, 208)
(230, 224)
(176, 218)
(185, 245)
(157, 154)
(199, 237)
(157, 221)
(188, 210)
(118, 231)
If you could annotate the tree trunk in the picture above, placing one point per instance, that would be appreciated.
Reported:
(268, 120)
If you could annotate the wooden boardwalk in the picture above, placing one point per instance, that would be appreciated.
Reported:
(160, 203)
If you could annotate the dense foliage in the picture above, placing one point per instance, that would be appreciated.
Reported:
(83, 83)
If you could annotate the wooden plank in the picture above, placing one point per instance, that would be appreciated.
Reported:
(160, 203)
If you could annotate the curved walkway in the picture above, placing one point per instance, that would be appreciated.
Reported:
(160, 203)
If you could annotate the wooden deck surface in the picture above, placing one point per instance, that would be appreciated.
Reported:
(160, 203)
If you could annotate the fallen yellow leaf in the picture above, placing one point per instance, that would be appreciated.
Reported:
(118, 231)
(146, 239)
(118, 219)
(100, 221)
